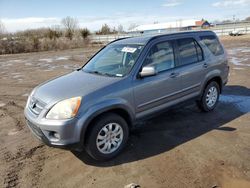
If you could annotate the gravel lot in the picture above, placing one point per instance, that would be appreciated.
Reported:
(180, 148)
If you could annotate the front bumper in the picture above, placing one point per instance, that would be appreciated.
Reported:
(57, 133)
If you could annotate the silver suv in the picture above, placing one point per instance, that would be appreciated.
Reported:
(95, 106)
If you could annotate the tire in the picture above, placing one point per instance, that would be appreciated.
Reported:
(207, 104)
(101, 129)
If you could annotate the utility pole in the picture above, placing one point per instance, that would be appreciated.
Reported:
(234, 20)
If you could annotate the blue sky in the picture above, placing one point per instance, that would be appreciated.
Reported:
(24, 14)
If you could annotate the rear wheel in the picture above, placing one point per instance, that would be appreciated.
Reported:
(210, 97)
(107, 137)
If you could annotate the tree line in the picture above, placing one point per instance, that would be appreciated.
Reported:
(65, 36)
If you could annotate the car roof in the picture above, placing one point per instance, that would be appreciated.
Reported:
(144, 39)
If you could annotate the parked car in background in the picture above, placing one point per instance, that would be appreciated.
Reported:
(237, 32)
(130, 79)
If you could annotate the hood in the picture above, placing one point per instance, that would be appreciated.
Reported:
(77, 83)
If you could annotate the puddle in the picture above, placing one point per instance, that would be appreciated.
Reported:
(2, 104)
(241, 102)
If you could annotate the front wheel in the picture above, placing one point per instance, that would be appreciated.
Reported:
(210, 97)
(107, 137)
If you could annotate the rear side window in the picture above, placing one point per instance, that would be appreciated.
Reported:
(189, 51)
(213, 44)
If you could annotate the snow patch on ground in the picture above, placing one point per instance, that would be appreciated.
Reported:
(238, 68)
(241, 102)
(237, 50)
(13, 132)
(16, 61)
(62, 58)
(2, 104)
(246, 51)
(17, 76)
(48, 60)
(25, 95)
(238, 61)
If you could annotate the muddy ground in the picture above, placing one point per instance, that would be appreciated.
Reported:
(180, 148)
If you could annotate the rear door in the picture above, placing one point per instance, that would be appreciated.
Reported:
(192, 65)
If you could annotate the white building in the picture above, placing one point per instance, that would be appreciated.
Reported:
(168, 26)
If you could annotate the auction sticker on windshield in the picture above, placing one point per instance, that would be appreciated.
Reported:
(129, 49)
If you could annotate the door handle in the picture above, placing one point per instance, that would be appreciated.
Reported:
(205, 65)
(174, 75)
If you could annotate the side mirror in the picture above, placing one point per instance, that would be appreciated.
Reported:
(147, 71)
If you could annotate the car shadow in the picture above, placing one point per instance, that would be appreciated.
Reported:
(173, 128)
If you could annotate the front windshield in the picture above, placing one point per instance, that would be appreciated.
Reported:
(114, 60)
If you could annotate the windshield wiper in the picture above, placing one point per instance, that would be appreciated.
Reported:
(102, 73)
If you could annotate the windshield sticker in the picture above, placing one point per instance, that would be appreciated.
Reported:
(119, 75)
(129, 49)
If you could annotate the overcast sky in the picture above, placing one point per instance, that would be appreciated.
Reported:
(27, 14)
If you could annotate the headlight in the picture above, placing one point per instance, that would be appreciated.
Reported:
(65, 109)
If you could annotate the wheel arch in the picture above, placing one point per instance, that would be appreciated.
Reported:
(119, 109)
(217, 79)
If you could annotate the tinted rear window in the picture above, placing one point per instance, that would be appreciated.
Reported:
(213, 44)
(189, 51)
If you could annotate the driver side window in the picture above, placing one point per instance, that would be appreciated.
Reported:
(161, 56)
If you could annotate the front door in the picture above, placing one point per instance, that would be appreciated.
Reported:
(154, 92)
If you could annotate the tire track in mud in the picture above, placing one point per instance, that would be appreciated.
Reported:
(14, 113)
(17, 162)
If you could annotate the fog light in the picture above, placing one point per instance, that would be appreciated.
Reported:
(54, 135)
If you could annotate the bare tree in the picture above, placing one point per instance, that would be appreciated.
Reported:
(70, 24)
(120, 29)
(132, 26)
(104, 30)
(2, 28)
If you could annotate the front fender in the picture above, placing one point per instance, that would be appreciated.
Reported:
(85, 119)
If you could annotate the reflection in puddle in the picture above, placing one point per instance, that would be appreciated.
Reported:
(241, 102)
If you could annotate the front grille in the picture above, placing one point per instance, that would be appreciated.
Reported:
(36, 106)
